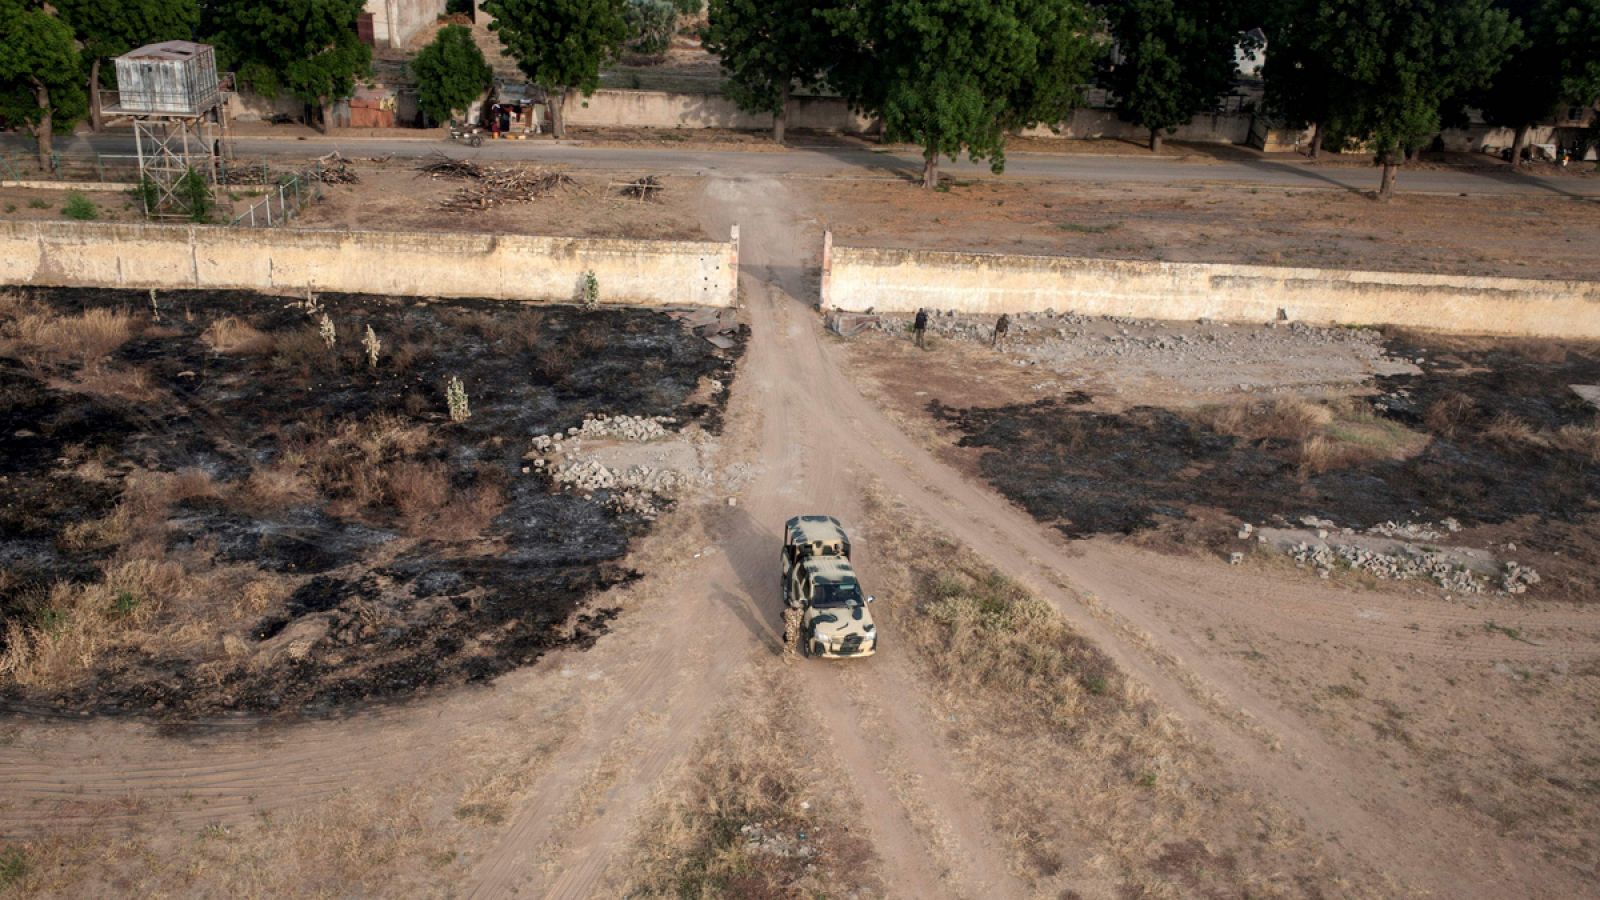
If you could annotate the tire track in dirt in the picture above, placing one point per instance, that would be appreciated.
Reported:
(1379, 822)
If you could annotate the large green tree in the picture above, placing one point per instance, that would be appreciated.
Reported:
(306, 47)
(451, 72)
(41, 74)
(107, 28)
(1298, 80)
(954, 75)
(1557, 63)
(1173, 60)
(768, 48)
(1396, 63)
(560, 44)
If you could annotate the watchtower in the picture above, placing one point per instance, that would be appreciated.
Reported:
(173, 94)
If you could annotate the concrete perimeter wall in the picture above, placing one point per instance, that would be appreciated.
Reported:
(615, 108)
(438, 264)
(662, 109)
(860, 278)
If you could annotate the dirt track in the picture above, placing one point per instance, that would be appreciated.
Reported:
(596, 735)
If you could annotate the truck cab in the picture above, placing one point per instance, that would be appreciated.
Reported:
(819, 580)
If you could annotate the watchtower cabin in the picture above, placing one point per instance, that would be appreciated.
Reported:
(172, 78)
(173, 93)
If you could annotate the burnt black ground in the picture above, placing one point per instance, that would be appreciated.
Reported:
(450, 611)
(1090, 473)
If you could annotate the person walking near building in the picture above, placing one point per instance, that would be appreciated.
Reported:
(919, 328)
(1002, 326)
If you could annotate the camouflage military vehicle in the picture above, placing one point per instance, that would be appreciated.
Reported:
(820, 584)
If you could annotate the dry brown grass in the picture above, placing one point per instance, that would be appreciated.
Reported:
(85, 339)
(1579, 440)
(1325, 435)
(232, 335)
(354, 844)
(274, 487)
(131, 385)
(755, 770)
(1092, 784)
(1446, 415)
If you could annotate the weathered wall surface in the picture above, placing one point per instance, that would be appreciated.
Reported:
(612, 108)
(1229, 128)
(859, 278)
(441, 264)
(661, 109)
(395, 22)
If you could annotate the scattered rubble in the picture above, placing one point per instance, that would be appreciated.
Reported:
(647, 188)
(759, 838)
(636, 489)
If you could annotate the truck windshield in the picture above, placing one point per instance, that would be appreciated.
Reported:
(835, 596)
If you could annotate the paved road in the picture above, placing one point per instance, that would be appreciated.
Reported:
(824, 160)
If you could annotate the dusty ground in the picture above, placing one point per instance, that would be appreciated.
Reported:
(29, 204)
(1475, 697)
(393, 195)
(1220, 740)
(368, 545)
(1528, 237)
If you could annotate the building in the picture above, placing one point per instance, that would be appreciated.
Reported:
(391, 24)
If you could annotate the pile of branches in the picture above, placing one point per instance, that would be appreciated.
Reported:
(441, 166)
(646, 188)
(336, 169)
(239, 172)
(491, 186)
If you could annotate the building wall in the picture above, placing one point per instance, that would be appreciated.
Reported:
(442, 264)
(396, 22)
(661, 109)
(613, 108)
(858, 279)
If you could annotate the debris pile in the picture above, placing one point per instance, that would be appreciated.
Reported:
(647, 188)
(335, 169)
(759, 838)
(1412, 562)
(637, 489)
(491, 186)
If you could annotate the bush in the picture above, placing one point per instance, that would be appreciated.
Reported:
(80, 207)
(451, 72)
(193, 190)
(652, 23)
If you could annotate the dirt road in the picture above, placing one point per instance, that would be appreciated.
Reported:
(617, 723)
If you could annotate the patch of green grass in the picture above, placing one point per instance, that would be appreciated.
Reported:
(125, 603)
(36, 203)
(11, 207)
(1344, 691)
(1080, 228)
(1514, 633)
(13, 867)
(80, 208)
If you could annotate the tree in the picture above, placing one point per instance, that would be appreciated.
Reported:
(451, 72)
(1298, 80)
(107, 28)
(307, 47)
(1173, 60)
(1395, 63)
(652, 23)
(560, 44)
(768, 48)
(1557, 63)
(41, 87)
(953, 75)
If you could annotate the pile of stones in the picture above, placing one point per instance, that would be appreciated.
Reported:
(643, 491)
(758, 838)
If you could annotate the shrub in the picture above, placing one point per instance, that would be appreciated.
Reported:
(80, 207)
(652, 23)
(230, 334)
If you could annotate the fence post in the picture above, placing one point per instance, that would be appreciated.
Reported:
(268, 201)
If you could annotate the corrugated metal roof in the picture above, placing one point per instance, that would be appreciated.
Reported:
(179, 50)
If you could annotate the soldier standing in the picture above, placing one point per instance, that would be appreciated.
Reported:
(791, 629)
(1002, 325)
(919, 328)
